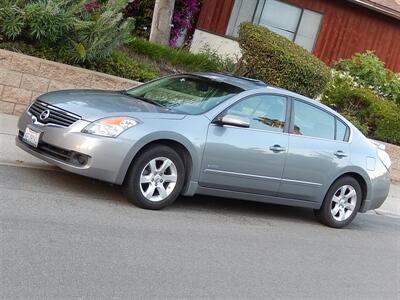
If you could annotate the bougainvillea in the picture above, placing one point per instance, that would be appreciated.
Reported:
(183, 20)
(91, 5)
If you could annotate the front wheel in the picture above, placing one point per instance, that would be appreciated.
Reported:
(341, 203)
(156, 178)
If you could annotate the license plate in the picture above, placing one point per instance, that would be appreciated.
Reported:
(31, 137)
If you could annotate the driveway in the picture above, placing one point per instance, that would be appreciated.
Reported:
(64, 236)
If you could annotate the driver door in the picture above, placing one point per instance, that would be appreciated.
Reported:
(248, 159)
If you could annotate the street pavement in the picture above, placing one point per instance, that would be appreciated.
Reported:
(63, 236)
(68, 237)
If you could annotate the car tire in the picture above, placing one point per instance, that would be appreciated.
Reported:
(341, 203)
(147, 185)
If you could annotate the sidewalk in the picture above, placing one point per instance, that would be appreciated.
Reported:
(12, 155)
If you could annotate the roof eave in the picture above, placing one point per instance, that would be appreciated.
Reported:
(379, 8)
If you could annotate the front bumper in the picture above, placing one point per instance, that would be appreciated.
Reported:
(57, 145)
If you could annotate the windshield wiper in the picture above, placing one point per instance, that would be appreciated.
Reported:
(144, 99)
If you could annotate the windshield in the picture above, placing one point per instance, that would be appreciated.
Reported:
(185, 94)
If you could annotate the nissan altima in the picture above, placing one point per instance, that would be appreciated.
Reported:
(211, 134)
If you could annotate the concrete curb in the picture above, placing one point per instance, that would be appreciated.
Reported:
(30, 166)
(382, 212)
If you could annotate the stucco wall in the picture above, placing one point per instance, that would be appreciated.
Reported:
(222, 45)
(394, 153)
(23, 78)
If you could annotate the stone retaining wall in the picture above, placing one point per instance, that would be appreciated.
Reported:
(394, 153)
(23, 78)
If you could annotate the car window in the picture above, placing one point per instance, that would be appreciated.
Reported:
(311, 121)
(341, 130)
(185, 94)
(265, 112)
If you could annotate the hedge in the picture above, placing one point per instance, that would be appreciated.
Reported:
(118, 63)
(369, 71)
(180, 58)
(375, 116)
(275, 60)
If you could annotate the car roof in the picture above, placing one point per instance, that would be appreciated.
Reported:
(232, 79)
(253, 84)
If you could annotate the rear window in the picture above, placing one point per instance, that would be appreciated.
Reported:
(341, 131)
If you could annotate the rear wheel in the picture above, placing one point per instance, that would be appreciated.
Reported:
(156, 178)
(341, 203)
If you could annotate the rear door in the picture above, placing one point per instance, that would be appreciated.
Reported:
(317, 150)
(248, 159)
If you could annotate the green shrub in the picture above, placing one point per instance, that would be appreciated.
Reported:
(223, 63)
(117, 63)
(120, 64)
(142, 12)
(276, 60)
(79, 32)
(37, 51)
(373, 115)
(98, 33)
(47, 21)
(388, 129)
(370, 72)
(11, 20)
(44, 21)
(182, 59)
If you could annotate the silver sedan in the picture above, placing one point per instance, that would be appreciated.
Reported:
(212, 134)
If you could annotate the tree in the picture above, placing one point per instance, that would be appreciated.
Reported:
(161, 23)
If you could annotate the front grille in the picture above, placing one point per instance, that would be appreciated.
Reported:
(57, 115)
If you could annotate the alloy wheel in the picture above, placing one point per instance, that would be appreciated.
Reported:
(158, 179)
(343, 203)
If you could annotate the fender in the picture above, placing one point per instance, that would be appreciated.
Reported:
(352, 169)
(161, 135)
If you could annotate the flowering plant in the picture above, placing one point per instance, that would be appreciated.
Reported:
(183, 20)
(91, 5)
(367, 70)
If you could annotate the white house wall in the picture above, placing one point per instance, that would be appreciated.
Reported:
(223, 46)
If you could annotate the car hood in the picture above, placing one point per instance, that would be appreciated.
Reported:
(92, 105)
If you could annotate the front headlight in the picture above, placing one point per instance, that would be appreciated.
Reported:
(110, 127)
(384, 157)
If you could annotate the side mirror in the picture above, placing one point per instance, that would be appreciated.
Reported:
(234, 120)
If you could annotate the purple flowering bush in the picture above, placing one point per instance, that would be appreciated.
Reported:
(183, 22)
(91, 5)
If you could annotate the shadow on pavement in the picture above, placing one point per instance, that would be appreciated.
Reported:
(243, 208)
(86, 189)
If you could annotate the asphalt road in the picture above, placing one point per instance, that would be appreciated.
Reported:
(67, 237)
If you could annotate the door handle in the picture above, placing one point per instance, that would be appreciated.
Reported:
(277, 148)
(340, 154)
